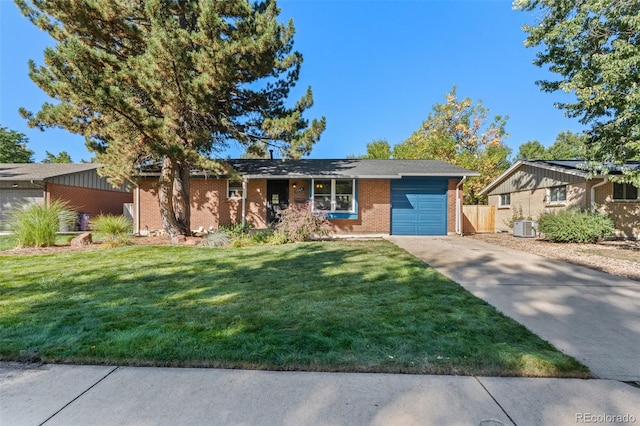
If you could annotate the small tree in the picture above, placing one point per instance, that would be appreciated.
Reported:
(299, 223)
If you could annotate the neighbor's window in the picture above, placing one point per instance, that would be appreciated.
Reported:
(557, 194)
(334, 195)
(505, 200)
(234, 189)
(624, 191)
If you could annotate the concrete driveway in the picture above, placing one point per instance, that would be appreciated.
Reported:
(590, 315)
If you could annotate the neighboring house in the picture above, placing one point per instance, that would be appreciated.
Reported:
(542, 186)
(77, 184)
(400, 197)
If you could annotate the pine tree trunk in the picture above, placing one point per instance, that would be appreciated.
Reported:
(174, 220)
(181, 204)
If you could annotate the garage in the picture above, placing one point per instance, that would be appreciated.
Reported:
(419, 206)
(12, 198)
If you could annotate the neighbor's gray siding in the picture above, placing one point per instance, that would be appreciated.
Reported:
(528, 177)
(20, 185)
(86, 179)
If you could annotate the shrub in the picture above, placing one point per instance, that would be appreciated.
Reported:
(261, 237)
(277, 238)
(575, 226)
(116, 229)
(217, 238)
(37, 224)
(515, 216)
(237, 229)
(301, 224)
(243, 240)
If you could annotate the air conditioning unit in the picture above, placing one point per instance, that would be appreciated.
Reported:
(524, 228)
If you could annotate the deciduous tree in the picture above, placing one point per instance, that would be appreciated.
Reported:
(594, 48)
(569, 146)
(13, 147)
(460, 132)
(532, 150)
(170, 81)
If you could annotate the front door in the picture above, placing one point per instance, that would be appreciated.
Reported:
(277, 199)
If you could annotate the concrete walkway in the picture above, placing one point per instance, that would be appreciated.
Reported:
(590, 315)
(102, 395)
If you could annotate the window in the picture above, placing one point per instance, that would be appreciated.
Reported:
(334, 195)
(234, 189)
(505, 200)
(558, 194)
(624, 191)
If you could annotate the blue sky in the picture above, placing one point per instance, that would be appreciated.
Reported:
(376, 69)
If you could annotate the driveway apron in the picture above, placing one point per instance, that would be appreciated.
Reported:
(590, 315)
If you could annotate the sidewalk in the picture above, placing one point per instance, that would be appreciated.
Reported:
(590, 315)
(103, 395)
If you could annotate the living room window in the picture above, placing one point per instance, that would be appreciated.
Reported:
(558, 194)
(333, 195)
(625, 191)
(234, 188)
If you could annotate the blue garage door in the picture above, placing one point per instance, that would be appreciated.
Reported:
(419, 206)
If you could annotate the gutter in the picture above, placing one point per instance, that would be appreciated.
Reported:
(244, 202)
(593, 193)
(459, 208)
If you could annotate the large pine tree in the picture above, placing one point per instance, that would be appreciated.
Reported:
(170, 81)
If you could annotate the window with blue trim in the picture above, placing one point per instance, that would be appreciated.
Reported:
(334, 195)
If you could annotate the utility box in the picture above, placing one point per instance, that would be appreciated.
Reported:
(524, 228)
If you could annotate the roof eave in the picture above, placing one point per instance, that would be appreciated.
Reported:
(540, 165)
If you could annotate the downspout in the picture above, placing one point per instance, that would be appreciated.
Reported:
(244, 202)
(593, 193)
(136, 229)
(459, 207)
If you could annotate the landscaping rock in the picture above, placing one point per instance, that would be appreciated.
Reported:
(178, 239)
(192, 241)
(83, 239)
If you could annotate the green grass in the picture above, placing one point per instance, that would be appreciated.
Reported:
(8, 242)
(321, 306)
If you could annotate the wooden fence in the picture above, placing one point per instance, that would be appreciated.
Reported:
(478, 219)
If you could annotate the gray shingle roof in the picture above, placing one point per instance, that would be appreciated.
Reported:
(40, 172)
(349, 168)
(572, 167)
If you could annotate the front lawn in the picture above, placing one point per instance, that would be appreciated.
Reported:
(322, 306)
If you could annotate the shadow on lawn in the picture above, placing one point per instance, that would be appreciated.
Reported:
(311, 306)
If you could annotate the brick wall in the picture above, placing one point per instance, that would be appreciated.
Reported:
(210, 207)
(374, 209)
(625, 214)
(533, 203)
(89, 200)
